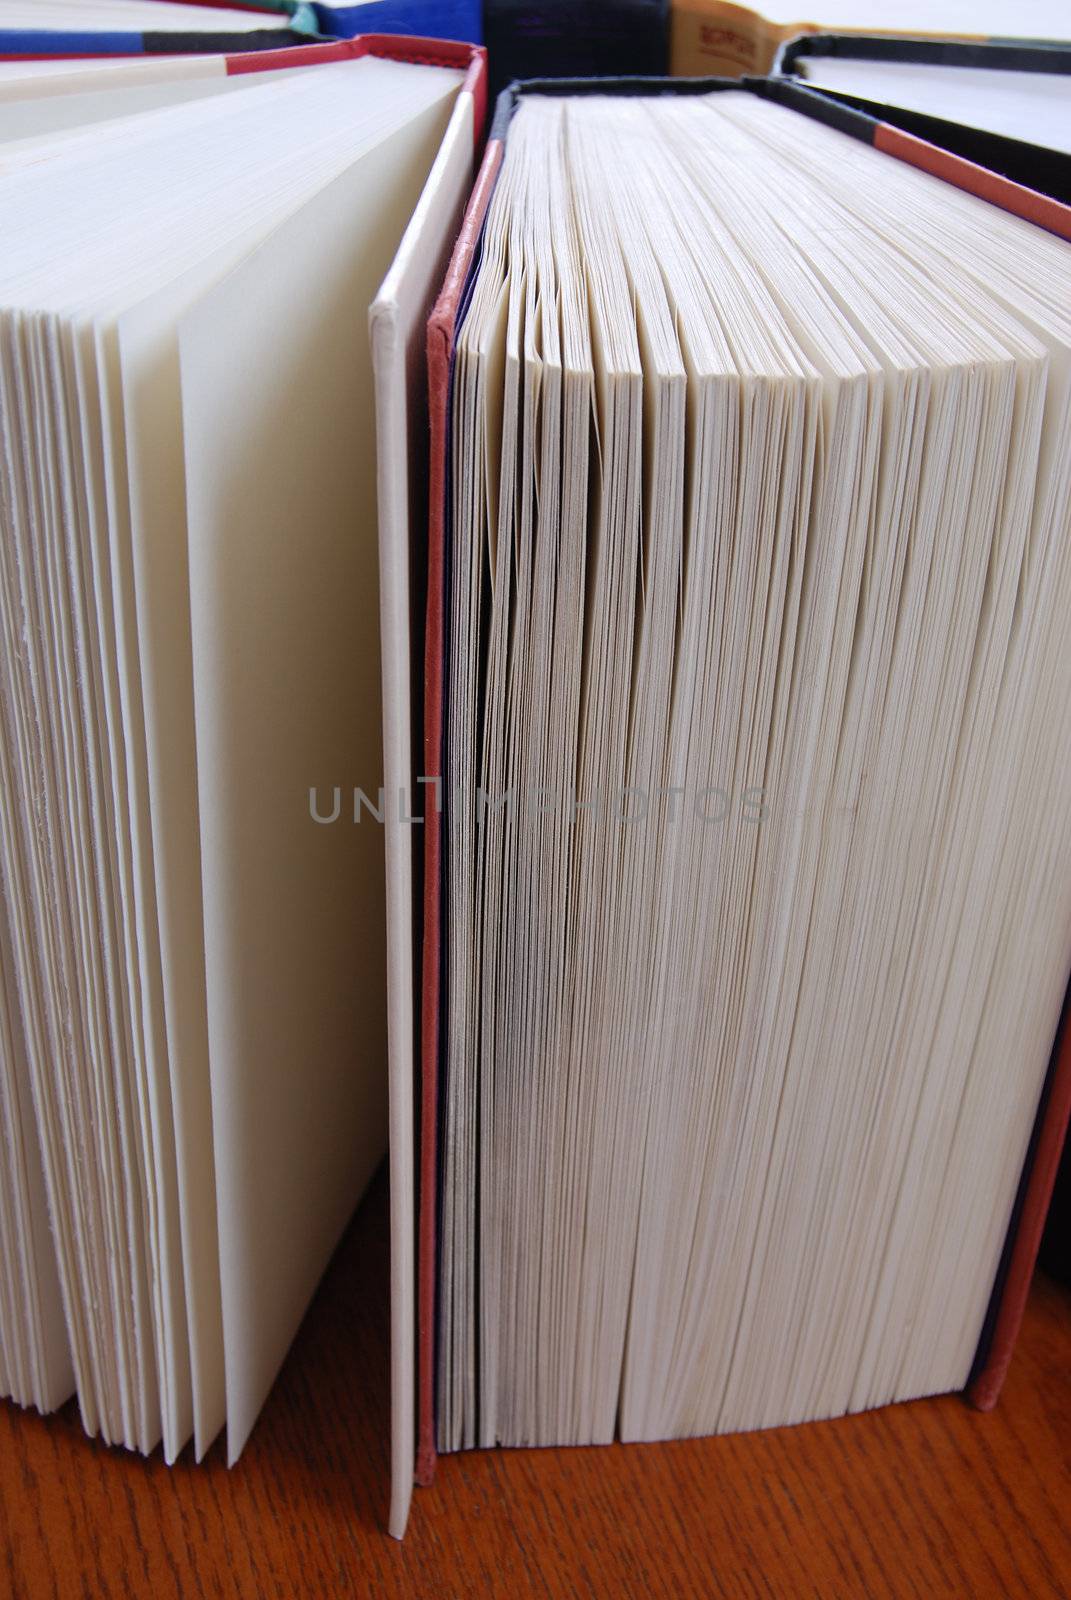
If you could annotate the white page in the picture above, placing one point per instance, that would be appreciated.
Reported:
(155, 462)
(149, 358)
(398, 321)
(29, 79)
(725, 1114)
(154, 1099)
(286, 675)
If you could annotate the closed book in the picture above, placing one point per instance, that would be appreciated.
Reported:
(537, 1329)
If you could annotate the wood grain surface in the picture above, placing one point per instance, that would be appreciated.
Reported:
(920, 1500)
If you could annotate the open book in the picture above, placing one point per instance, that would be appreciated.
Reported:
(748, 912)
(193, 1007)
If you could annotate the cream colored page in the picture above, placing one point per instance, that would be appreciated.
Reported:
(134, 273)
(398, 320)
(153, 419)
(161, 1215)
(710, 1189)
(284, 604)
(51, 113)
(29, 80)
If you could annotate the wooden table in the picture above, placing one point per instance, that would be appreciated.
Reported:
(921, 1500)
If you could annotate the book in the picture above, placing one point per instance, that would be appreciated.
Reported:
(62, 29)
(193, 1008)
(719, 36)
(37, 29)
(748, 914)
(1002, 104)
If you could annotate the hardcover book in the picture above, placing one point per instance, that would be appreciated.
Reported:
(748, 909)
(62, 29)
(1005, 106)
(193, 1009)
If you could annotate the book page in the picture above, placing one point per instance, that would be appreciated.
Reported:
(284, 610)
